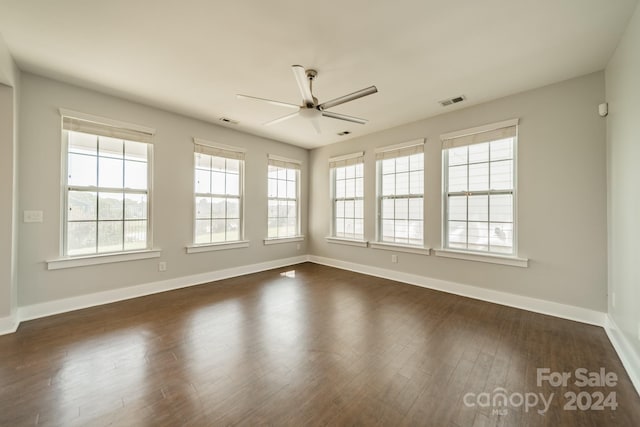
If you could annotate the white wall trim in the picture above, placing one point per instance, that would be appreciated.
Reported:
(50, 308)
(570, 312)
(629, 358)
(9, 324)
(193, 249)
(513, 261)
(82, 261)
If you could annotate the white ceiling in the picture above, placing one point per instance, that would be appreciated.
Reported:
(193, 56)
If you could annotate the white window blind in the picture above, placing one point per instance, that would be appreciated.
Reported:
(479, 187)
(89, 125)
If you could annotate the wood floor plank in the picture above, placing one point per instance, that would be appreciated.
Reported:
(315, 346)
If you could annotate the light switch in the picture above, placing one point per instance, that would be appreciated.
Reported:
(33, 216)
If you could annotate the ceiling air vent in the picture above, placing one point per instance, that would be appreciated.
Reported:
(228, 121)
(452, 101)
(346, 132)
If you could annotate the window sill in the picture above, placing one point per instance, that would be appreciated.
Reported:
(278, 240)
(81, 261)
(490, 258)
(400, 248)
(349, 242)
(194, 249)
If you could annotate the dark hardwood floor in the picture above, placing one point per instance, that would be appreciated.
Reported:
(304, 345)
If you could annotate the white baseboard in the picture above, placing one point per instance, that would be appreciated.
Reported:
(550, 308)
(9, 324)
(629, 357)
(50, 308)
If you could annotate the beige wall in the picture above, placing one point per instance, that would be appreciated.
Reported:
(623, 149)
(40, 159)
(561, 195)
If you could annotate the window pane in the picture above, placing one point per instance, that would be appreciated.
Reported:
(203, 161)
(340, 226)
(388, 185)
(457, 234)
(340, 208)
(110, 172)
(282, 189)
(291, 174)
(416, 162)
(457, 178)
(273, 209)
(83, 170)
(402, 183)
(416, 182)
(217, 183)
(359, 170)
(388, 208)
(358, 209)
(233, 208)
(135, 151)
(233, 229)
(135, 175)
(388, 230)
(402, 231)
(110, 206)
(135, 206)
(350, 187)
(110, 147)
(358, 228)
(233, 184)
(402, 209)
(501, 237)
(135, 235)
(82, 206)
(501, 208)
(478, 208)
(218, 230)
(457, 208)
(282, 173)
(479, 177)
(388, 166)
(291, 189)
(349, 226)
(233, 166)
(457, 156)
(350, 172)
(83, 143)
(416, 234)
(203, 228)
(349, 209)
(359, 187)
(203, 181)
(479, 153)
(341, 173)
(273, 188)
(415, 208)
(478, 236)
(81, 238)
(218, 163)
(502, 175)
(203, 207)
(282, 227)
(272, 172)
(292, 209)
(340, 189)
(218, 207)
(402, 164)
(272, 228)
(110, 234)
(502, 149)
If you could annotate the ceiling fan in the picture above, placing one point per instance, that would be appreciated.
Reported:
(310, 109)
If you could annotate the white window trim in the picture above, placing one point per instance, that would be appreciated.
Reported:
(85, 260)
(378, 243)
(199, 141)
(278, 240)
(222, 246)
(64, 186)
(475, 255)
(332, 195)
(513, 261)
(400, 248)
(349, 242)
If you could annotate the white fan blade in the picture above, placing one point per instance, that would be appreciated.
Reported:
(270, 101)
(303, 84)
(281, 119)
(344, 117)
(346, 98)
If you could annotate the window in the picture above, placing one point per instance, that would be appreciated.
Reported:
(479, 189)
(283, 210)
(347, 178)
(106, 185)
(400, 171)
(218, 194)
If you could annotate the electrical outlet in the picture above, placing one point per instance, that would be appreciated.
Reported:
(162, 266)
(613, 299)
(394, 258)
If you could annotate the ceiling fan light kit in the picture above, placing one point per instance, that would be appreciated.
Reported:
(310, 108)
